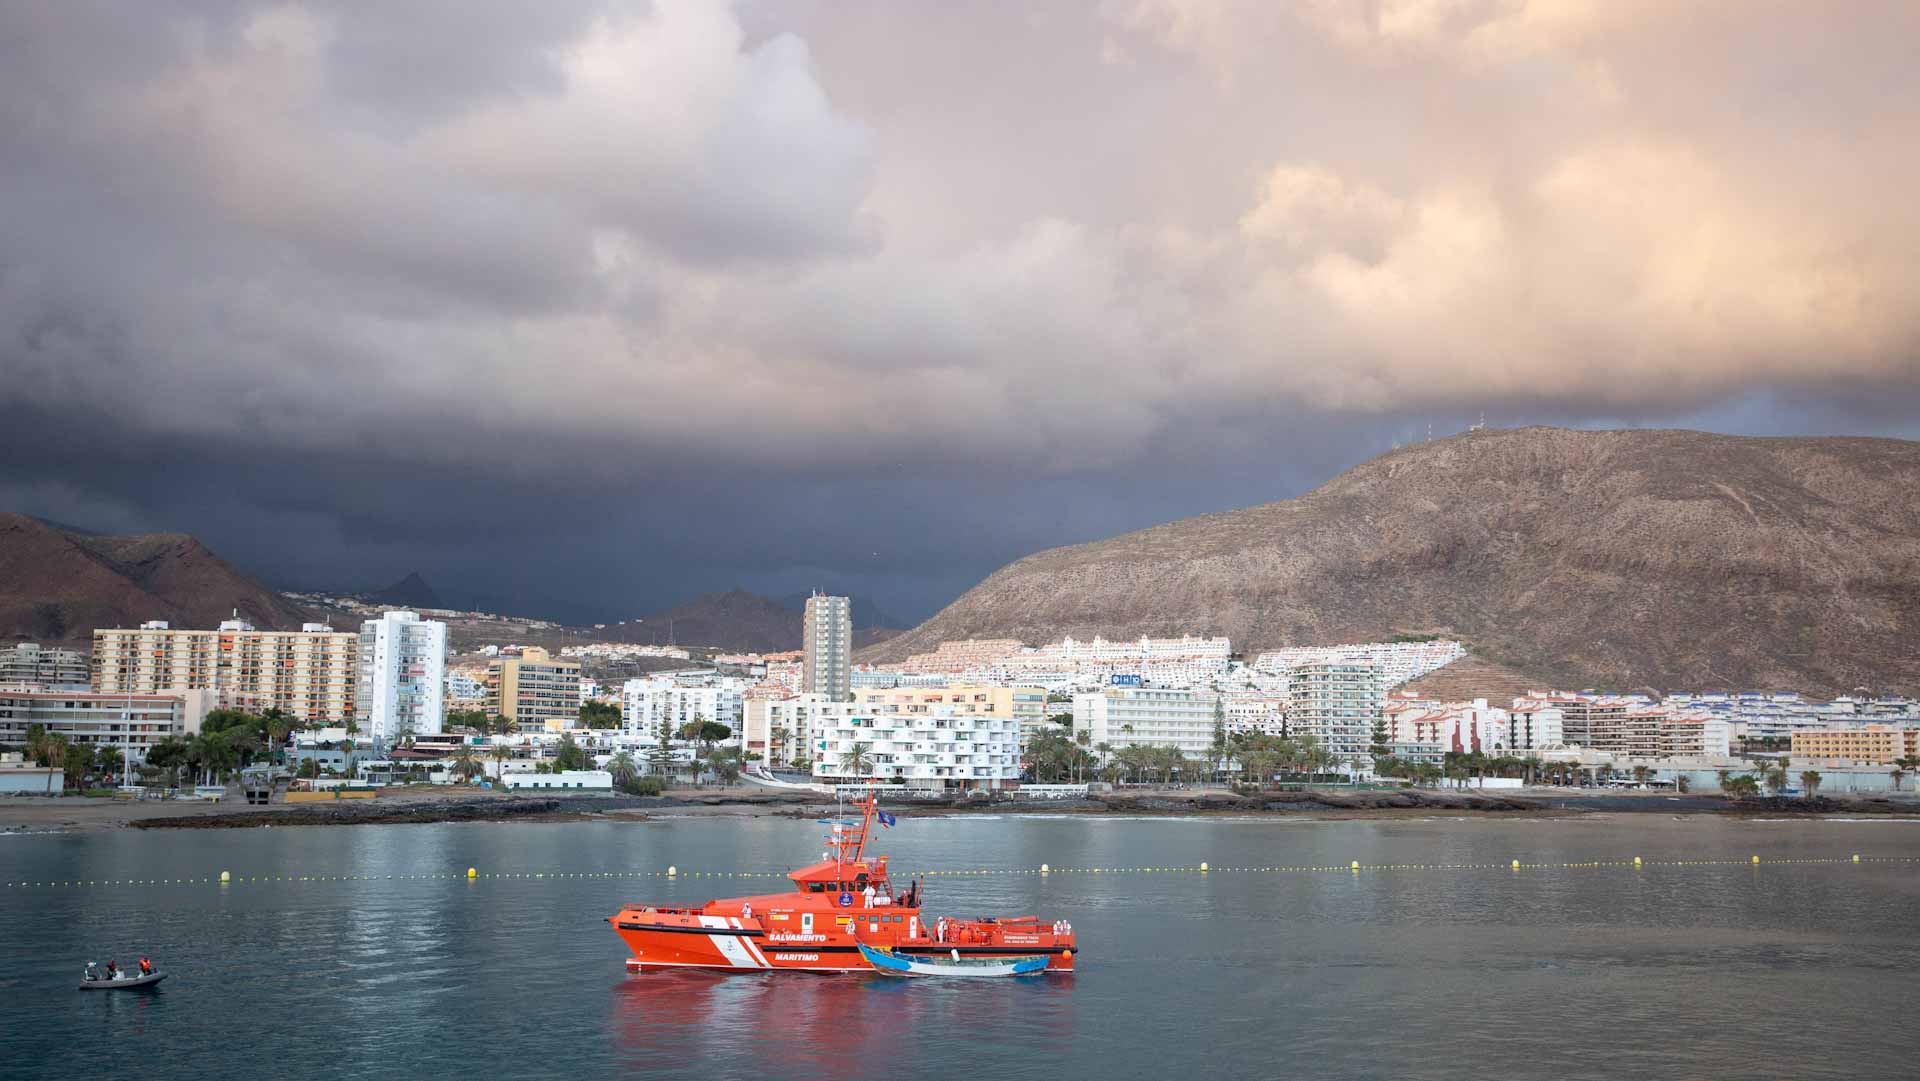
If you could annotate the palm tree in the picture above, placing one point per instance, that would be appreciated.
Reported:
(625, 771)
(1640, 774)
(500, 753)
(1724, 775)
(1896, 777)
(1810, 782)
(725, 764)
(346, 748)
(278, 727)
(108, 759)
(37, 744)
(465, 766)
(72, 757)
(856, 760)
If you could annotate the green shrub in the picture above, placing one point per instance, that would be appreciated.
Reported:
(644, 786)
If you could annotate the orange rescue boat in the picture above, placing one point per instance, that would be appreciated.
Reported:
(836, 904)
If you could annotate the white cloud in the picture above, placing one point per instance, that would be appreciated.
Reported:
(663, 230)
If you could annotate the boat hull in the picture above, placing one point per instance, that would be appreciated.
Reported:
(896, 964)
(732, 944)
(134, 983)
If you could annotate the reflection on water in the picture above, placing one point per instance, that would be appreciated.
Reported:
(819, 1025)
(1594, 973)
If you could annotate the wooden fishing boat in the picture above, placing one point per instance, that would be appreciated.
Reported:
(123, 982)
(896, 964)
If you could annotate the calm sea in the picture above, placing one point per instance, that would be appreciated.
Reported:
(1788, 970)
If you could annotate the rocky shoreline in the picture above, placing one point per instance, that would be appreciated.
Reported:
(1310, 804)
(416, 806)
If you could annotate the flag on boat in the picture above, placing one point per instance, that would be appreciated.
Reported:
(886, 820)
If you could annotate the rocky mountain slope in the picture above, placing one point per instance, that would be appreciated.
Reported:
(1663, 559)
(57, 585)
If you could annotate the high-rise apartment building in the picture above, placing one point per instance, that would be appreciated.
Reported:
(43, 666)
(402, 677)
(1337, 704)
(828, 645)
(308, 674)
(533, 689)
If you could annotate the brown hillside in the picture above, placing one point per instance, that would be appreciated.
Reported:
(59, 586)
(1473, 677)
(1668, 559)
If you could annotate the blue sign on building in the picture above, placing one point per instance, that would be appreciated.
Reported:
(1125, 680)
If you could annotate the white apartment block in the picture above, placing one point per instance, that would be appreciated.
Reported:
(1398, 662)
(956, 657)
(308, 674)
(943, 748)
(647, 701)
(1337, 703)
(1148, 717)
(402, 678)
(44, 666)
(1262, 714)
(779, 728)
(624, 651)
(827, 631)
(131, 722)
(1535, 728)
(1189, 661)
(1026, 705)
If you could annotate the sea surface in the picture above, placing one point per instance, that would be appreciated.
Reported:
(1451, 965)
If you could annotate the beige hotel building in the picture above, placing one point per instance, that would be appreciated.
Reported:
(308, 674)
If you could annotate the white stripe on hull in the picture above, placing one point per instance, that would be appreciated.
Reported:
(730, 946)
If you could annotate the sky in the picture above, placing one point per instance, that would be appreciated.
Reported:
(580, 308)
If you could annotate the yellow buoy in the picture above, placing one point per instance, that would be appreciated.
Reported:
(1356, 865)
(1516, 865)
(1856, 857)
(672, 871)
(1203, 866)
(1756, 859)
(1636, 861)
(1044, 869)
(471, 873)
(226, 876)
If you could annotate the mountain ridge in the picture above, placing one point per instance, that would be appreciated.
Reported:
(1664, 558)
(59, 586)
(409, 592)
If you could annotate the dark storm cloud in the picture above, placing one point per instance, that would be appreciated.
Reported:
(593, 304)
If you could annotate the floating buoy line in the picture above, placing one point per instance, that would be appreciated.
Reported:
(1351, 868)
